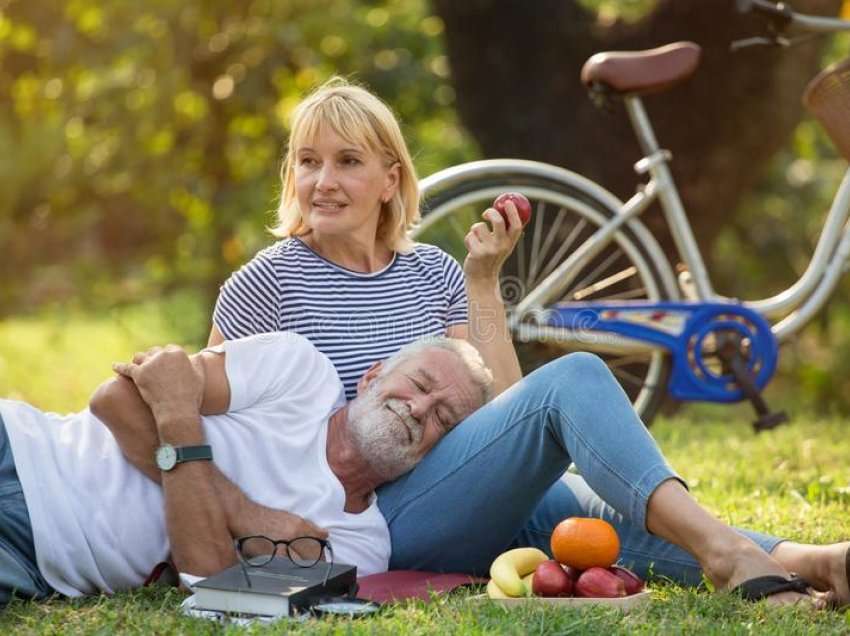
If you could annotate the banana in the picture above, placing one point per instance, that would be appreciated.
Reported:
(510, 566)
(494, 591)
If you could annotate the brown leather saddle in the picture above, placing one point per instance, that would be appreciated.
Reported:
(642, 72)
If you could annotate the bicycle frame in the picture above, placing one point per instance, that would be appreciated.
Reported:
(801, 301)
(798, 304)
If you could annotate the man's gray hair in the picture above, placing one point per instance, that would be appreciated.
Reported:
(481, 375)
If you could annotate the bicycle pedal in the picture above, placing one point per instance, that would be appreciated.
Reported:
(770, 420)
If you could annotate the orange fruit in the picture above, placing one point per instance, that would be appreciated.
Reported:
(585, 543)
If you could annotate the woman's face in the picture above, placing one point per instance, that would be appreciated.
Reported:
(341, 186)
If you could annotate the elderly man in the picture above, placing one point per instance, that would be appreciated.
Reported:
(252, 437)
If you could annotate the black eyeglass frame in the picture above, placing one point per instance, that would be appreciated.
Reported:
(250, 562)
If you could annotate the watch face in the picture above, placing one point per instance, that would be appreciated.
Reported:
(166, 457)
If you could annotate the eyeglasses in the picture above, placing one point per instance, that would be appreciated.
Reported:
(257, 551)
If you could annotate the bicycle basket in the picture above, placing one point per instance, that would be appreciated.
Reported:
(827, 97)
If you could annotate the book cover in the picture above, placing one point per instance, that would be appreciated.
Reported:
(280, 587)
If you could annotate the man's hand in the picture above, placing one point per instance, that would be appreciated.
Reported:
(247, 517)
(272, 523)
(168, 381)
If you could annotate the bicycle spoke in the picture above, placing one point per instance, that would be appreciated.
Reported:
(565, 246)
(552, 232)
(521, 263)
(535, 243)
(597, 271)
(639, 293)
(605, 283)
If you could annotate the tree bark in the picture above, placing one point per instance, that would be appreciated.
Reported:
(516, 64)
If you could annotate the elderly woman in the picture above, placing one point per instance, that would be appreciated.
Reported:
(346, 276)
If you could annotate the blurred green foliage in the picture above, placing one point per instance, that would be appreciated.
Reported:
(144, 140)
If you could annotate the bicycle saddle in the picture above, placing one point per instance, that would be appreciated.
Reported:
(642, 72)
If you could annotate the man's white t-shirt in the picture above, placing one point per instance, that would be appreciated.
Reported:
(99, 523)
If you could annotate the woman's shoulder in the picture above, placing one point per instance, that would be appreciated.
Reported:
(431, 257)
(268, 265)
(427, 251)
(281, 256)
(281, 250)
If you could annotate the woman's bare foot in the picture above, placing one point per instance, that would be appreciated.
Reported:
(824, 566)
(733, 564)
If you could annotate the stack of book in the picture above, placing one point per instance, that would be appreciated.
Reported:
(279, 588)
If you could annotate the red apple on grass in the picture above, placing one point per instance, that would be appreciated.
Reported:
(523, 207)
(551, 580)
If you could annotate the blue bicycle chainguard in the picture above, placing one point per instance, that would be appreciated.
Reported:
(694, 333)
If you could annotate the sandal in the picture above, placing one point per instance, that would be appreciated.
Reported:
(763, 586)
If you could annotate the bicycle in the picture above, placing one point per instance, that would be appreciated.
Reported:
(587, 273)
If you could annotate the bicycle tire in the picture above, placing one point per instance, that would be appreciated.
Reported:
(571, 212)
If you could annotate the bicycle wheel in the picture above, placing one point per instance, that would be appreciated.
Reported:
(564, 216)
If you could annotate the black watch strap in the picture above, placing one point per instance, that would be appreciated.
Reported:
(193, 453)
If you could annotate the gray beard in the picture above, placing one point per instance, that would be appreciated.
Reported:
(381, 437)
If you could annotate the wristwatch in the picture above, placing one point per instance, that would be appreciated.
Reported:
(168, 456)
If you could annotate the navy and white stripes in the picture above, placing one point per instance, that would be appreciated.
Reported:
(353, 318)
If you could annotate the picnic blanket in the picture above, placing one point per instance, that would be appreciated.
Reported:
(399, 585)
(386, 587)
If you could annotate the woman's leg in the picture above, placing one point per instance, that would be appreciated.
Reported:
(473, 493)
(826, 567)
(644, 553)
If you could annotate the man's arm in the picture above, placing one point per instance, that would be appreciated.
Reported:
(118, 404)
(122, 410)
(203, 508)
(195, 517)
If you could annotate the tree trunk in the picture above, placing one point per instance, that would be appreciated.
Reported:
(516, 68)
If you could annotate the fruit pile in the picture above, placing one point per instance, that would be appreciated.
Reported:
(585, 551)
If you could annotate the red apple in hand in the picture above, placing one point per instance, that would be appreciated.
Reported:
(523, 207)
(551, 580)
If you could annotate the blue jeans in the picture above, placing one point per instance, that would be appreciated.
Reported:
(499, 479)
(19, 575)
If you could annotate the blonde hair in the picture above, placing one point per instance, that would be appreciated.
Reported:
(360, 118)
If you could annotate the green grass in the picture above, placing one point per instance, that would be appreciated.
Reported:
(793, 482)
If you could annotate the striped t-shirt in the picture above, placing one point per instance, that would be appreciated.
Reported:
(353, 318)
